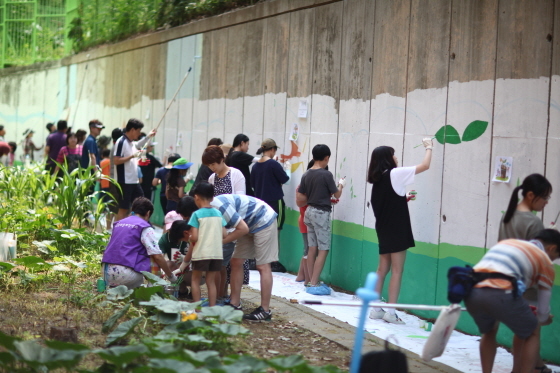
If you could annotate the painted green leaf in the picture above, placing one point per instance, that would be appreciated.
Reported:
(448, 134)
(474, 130)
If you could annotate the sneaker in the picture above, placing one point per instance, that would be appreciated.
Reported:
(376, 315)
(237, 308)
(393, 318)
(259, 314)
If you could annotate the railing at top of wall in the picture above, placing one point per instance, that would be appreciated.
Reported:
(31, 31)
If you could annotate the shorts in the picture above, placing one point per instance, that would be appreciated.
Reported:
(488, 306)
(305, 245)
(318, 224)
(129, 193)
(263, 246)
(227, 251)
(116, 274)
(208, 265)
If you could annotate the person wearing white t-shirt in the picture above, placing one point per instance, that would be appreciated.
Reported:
(125, 158)
(392, 219)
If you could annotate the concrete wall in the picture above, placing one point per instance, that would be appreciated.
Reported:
(372, 73)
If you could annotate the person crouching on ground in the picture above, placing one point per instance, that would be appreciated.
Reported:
(206, 236)
(132, 244)
(315, 189)
(492, 301)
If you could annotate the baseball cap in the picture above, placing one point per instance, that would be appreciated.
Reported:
(97, 124)
(170, 218)
(268, 144)
(182, 164)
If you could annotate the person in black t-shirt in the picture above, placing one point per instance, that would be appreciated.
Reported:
(238, 158)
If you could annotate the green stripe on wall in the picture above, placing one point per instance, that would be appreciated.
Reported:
(354, 253)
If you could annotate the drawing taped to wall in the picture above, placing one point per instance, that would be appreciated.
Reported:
(502, 169)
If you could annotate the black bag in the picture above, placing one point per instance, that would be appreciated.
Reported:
(277, 267)
(386, 361)
(461, 280)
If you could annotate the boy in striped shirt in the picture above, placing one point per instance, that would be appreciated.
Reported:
(491, 301)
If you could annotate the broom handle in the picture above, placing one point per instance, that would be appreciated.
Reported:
(421, 307)
(170, 103)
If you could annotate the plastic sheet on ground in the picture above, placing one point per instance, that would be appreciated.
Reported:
(461, 352)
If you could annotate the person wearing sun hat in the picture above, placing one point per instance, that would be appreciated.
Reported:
(28, 145)
(176, 182)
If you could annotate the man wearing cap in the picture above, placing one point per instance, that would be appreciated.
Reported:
(125, 158)
(90, 151)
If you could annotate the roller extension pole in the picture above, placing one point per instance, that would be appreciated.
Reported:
(367, 294)
(421, 307)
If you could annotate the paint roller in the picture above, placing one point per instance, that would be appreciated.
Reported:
(439, 336)
(144, 161)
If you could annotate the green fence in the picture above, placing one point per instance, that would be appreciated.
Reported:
(31, 31)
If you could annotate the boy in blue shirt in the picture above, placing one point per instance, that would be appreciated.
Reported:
(207, 232)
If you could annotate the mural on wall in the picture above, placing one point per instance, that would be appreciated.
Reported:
(449, 135)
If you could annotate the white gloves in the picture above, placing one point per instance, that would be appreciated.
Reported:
(190, 176)
(172, 278)
(182, 268)
(342, 182)
(428, 143)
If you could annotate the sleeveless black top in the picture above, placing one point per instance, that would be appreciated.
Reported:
(392, 219)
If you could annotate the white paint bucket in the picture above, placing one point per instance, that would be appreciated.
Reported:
(6, 239)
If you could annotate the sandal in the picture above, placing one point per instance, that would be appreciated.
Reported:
(543, 369)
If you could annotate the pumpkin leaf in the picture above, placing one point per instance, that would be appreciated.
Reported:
(474, 130)
(122, 330)
(108, 325)
(448, 134)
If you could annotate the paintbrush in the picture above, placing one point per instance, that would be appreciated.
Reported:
(423, 143)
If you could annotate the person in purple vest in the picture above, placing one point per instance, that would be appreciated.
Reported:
(132, 244)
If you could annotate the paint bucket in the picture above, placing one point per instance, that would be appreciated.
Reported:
(6, 239)
(172, 290)
(101, 285)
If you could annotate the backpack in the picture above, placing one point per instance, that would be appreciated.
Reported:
(461, 280)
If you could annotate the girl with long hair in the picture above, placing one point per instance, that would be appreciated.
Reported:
(392, 219)
(519, 221)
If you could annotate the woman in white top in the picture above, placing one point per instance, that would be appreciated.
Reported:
(226, 180)
(392, 220)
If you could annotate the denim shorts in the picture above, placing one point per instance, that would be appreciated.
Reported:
(318, 224)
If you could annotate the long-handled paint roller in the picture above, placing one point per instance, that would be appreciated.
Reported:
(144, 161)
(421, 307)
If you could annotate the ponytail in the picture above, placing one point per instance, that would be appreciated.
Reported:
(512, 204)
(536, 183)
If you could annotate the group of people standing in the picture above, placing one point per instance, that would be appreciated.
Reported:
(228, 195)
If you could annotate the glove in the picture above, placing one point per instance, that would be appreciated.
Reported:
(173, 277)
(190, 176)
(428, 143)
(553, 226)
(342, 182)
(182, 268)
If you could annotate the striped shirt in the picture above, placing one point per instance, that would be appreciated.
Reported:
(520, 259)
(236, 207)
